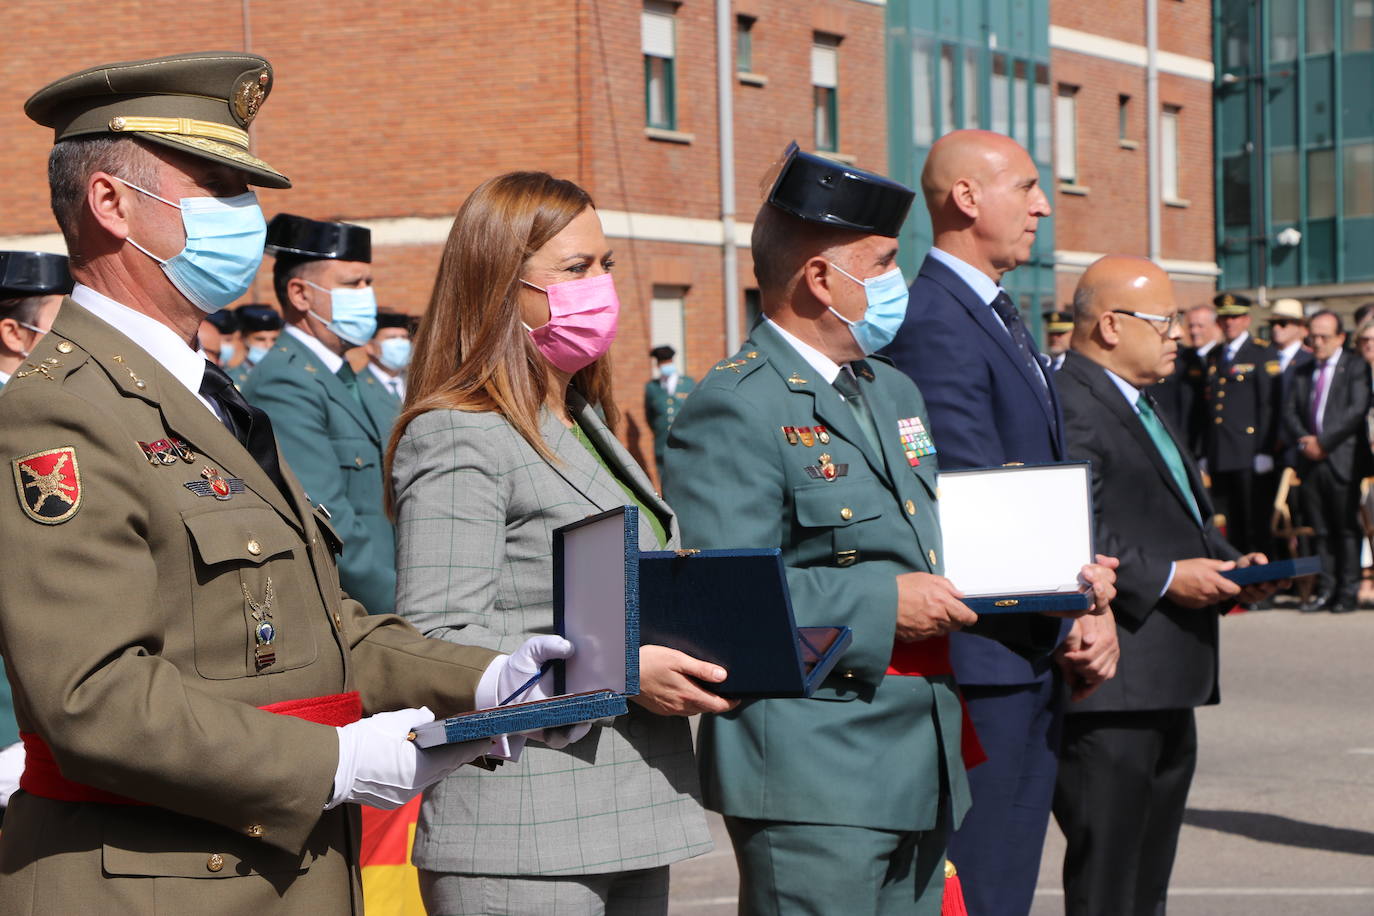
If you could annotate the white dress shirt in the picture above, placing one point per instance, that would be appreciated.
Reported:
(396, 384)
(163, 344)
(1287, 353)
(332, 361)
(825, 367)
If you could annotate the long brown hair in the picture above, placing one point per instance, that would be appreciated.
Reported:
(472, 353)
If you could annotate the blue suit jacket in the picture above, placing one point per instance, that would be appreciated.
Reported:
(985, 410)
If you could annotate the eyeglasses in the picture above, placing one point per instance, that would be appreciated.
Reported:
(1283, 322)
(1165, 325)
(1366, 340)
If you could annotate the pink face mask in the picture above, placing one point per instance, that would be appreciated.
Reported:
(583, 315)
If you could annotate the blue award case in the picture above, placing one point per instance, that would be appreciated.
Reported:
(1016, 536)
(733, 608)
(596, 607)
(1275, 571)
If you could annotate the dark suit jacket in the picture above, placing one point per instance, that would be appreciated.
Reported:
(985, 410)
(1168, 652)
(1343, 422)
(1179, 395)
(1283, 447)
(1240, 394)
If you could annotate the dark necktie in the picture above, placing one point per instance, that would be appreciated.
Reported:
(350, 380)
(1006, 310)
(245, 422)
(848, 387)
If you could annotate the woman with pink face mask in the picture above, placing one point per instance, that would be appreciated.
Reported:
(505, 436)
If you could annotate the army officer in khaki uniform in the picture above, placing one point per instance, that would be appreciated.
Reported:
(188, 678)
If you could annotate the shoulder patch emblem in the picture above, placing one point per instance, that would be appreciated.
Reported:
(49, 485)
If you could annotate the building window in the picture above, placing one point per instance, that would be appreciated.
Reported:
(1283, 177)
(1321, 183)
(999, 91)
(922, 92)
(970, 88)
(1283, 30)
(1358, 27)
(1168, 153)
(1321, 26)
(949, 110)
(825, 83)
(1021, 104)
(658, 36)
(1123, 118)
(744, 44)
(1359, 180)
(666, 321)
(1044, 124)
(1066, 134)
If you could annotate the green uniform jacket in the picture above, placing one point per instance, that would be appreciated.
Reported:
(381, 405)
(335, 446)
(239, 374)
(9, 731)
(661, 408)
(130, 640)
(867, 750)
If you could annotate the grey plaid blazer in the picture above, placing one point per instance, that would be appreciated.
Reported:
(476, 510)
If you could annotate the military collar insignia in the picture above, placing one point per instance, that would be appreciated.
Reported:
(219, 487)
(133, 376)
(49, 485)
(795, 379)
(43, 368)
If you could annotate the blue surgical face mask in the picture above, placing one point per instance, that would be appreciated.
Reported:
(667, 370)
(887, 298)
(255, 354)
(354, 310)
(395, 353)
(224, 239)
(226, 353)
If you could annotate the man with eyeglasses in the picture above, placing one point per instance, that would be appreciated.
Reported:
(1130, 748)
(1238, 416)
(1324, 416)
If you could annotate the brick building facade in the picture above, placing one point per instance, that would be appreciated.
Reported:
(1098, 63)
(391, 116)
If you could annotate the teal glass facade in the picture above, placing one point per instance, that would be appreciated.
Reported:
(1294, 141)
(953, 64)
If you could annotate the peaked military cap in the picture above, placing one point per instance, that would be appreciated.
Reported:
(1231, 305)
(1058, 322)
(200, 104)
(825, 191)
(33, 273)
(256, 317)
(317, 240)
(225, 321)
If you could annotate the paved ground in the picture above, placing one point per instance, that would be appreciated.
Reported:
(1280, 821)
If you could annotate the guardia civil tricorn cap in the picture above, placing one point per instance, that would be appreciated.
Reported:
(199, 104)
(33, 273)
(300, 237)
(825, 191)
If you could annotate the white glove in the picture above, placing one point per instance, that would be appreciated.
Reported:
(378, 766)
(1264, 463)
(11, 766)
(508, 673)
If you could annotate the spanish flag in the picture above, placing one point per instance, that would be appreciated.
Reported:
(391, 885)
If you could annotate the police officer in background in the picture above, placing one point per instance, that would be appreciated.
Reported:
(219, 338)
(1058, 330)
(1237, 418)
(259, 327)
(388, 356)
(663, 397)
(32, 284)
(188, 678)
(323, 279)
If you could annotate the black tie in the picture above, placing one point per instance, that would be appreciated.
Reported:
(848, 386)
(245, 422)
(1006, 310)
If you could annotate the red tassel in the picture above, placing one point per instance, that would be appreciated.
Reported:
(953, 904)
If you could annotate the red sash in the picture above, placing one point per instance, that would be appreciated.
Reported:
(928, 658)
(43, 778)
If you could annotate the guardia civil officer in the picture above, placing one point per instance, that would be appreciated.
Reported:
(32, 285)
(188, 679)
(1237, 418)
(663, 397)
(219, 338)
(802, 440)
(388, 357)
(259, 328)
(327, 429)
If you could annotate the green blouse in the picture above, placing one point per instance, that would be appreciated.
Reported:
(655, 521)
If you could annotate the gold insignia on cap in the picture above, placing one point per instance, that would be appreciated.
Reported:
(248, 97)
(1228, 299)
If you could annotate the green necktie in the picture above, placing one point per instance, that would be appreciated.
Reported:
(1167, 450)
(350, 380)
(848, 387)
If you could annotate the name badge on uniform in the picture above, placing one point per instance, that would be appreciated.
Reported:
(916, 442)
